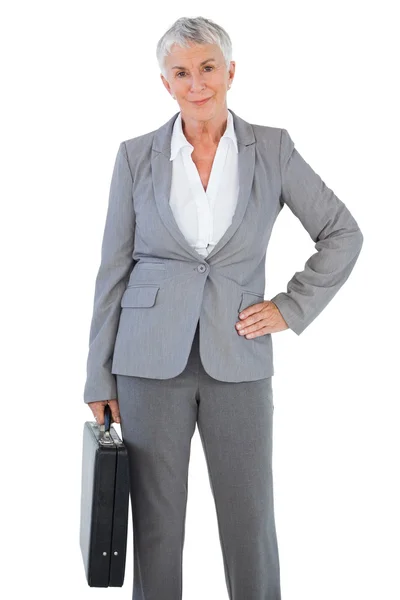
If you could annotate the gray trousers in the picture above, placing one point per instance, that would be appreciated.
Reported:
(158, 419)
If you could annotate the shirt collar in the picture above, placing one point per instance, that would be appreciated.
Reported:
(178, 139)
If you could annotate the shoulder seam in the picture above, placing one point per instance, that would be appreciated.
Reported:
(123, 144)
(280, 155)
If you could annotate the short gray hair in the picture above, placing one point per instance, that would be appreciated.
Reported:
(196, 30)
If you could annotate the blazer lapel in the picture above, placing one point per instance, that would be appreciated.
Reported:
(161, 170)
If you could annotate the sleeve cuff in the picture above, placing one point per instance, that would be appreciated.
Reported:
(283, 303)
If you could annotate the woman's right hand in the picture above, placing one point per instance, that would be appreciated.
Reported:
(98, 407)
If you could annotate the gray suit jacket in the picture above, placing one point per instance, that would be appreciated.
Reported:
(152, 287)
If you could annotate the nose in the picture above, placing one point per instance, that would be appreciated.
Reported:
(197, 82)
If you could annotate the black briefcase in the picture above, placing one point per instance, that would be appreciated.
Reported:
(104, 504)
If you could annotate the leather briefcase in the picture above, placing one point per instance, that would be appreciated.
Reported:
(104, 504)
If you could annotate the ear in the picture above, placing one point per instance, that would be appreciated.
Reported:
(165, 83)
(232, 71)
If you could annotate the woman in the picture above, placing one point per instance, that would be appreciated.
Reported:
(181, 333)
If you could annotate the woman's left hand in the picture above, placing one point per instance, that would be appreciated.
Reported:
(260, 319)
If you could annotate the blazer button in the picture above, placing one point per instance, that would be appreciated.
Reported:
(201, 268)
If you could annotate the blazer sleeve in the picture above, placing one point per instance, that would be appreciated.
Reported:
(337, 236)
(112, 277)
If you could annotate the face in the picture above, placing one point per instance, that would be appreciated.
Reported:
(198, 73)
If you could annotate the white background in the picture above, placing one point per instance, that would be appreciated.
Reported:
(80, 77)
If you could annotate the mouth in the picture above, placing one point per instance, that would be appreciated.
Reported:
(201, 102)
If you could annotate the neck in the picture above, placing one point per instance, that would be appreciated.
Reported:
(205, 132)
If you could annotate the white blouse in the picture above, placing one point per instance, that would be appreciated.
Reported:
(204, 216)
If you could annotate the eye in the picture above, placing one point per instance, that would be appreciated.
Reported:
(180, 72)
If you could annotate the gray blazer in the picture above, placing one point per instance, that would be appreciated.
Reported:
(152, 287)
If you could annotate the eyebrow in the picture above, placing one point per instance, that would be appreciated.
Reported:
(201, 64)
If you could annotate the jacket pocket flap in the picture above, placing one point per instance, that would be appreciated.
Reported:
(144, 295)
(158, 266)
(249, 298)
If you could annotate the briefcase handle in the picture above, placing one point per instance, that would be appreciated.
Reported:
(106, 437)
(107, 418)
